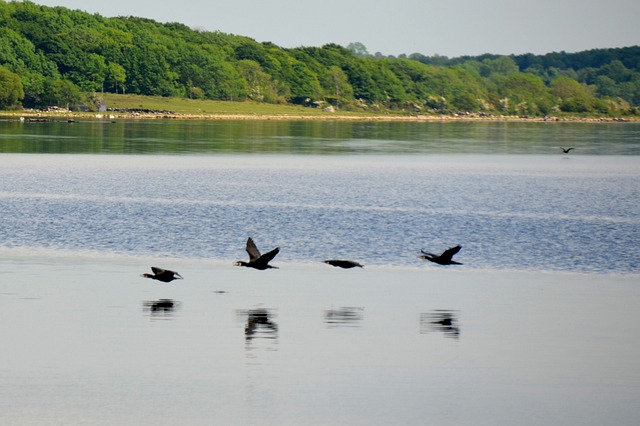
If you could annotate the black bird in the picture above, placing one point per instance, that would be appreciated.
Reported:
(346, 264)
(257, 260)
(163, 275)
(443, 259)
(566, 150)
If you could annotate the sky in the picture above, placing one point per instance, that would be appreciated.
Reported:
(444, 27)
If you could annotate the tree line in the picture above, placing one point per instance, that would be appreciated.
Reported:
(57, 56)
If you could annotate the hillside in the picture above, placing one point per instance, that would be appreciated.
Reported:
(56, 56)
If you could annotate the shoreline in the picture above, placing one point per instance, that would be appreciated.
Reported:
(115, 115)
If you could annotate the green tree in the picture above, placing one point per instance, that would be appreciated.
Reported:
(503, 65)
(525, 94)
(606, 86)
(34, 89)
(463, 90)
(360, 73)
(62, 93)
(11, 91)
(339, 88)
(296, 81)
(45, 44)
(616, 71)
(572, 95)
(388, 83)
(116, 76)
(260, 85)
(358, 49)
(631, 91)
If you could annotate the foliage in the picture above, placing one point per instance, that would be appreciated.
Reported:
(11, 91)
(57, 54)
(525, 94)
(62, 93)
(358, 49)
(573, 96)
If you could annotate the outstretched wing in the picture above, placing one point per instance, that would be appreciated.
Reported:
(268, 257)
(157, 271)
(252, 250)
(450, 252)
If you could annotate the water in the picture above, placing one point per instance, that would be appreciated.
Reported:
(539, 326)
(316, 137)
(533, 212)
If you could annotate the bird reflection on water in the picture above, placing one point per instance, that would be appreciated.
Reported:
(441, 320)
(260, 324)
(162, 308)
(344, 317)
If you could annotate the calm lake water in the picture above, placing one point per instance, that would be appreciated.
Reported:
(539, 326)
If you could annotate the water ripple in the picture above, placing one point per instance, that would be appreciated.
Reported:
(379, 215)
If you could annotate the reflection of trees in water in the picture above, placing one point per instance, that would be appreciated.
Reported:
(344, 317)
(162, 308)
(440, 320)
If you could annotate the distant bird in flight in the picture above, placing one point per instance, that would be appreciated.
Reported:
(443, 259)
(257, 260)
(346, 264)
(566, 150)
(163, 275)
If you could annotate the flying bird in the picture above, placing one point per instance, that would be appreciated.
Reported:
(346, 264)
(566, 150)
(442, 259)
(163, 275)
(257, 260)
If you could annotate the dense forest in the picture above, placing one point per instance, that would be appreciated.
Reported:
(56, 56)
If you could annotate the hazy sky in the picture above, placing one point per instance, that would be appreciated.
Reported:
(445, 27)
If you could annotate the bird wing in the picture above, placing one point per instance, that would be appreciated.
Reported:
(450, 252)
(254, 253)
(428, 256)
(157, 271)
(267, 257)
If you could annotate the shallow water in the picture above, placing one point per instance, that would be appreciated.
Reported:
(539, 326)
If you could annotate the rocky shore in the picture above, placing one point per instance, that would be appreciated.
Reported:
(141, 113)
